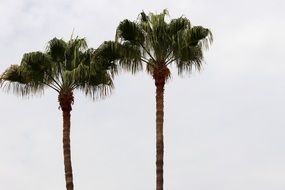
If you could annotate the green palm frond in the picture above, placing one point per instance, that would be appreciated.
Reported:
(130, 57)
(105, 57)
(100, 83)
(189, 57)
(56, 49)
(13, 74)
(143, 17)
(130, 31)
(37, 66)
(177, 25)
(73, 51)
(16, 80)
(128, 54)
(107, 50)
(201, 35)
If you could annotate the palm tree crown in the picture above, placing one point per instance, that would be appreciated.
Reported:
(64, 67)
(153, 41)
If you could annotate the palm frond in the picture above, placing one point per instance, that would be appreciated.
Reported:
(107, 54)
(13, 74)
(190, 57)
(98, 85)
(56, 49)
(130, 57)
(177, 25)
(143, 17)
(15, 80)
(37, 66)
(130, 31)
(72, 54)
(201, 35)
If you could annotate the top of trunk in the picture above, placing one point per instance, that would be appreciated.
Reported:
(66, 100)
(160, 74)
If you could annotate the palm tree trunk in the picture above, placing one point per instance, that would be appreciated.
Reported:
(66, 100)
(159, 132)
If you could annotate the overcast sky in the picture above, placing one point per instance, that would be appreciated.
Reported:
(224, 126)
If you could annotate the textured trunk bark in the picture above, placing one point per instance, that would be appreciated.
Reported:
(65, 101)
(159, 133)
(160, 75)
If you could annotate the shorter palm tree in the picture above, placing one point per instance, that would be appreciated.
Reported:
(63, 67)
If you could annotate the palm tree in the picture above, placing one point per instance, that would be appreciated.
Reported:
(157, 43)
(63, 67)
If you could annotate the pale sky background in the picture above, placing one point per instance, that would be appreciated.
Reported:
(224, 127)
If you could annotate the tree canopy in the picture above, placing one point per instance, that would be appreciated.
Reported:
(153, 41)
(63, 66)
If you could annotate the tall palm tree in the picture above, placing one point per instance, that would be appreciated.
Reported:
(157, 43)
(63, 67)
